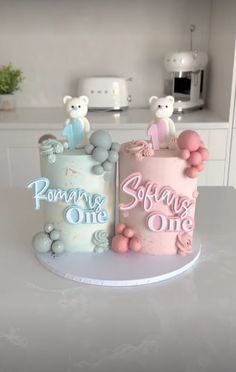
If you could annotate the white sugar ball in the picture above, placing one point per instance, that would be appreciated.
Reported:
(100, 154)
(107, 166)
(101, 138)
(55, 235)
(48, 227)
(98, 169)
(41, 242)
(113, 156)
(58, 247)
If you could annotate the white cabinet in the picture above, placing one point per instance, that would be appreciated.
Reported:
(19, 156)
(232, 173)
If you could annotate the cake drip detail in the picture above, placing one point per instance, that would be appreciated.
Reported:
(183, 244)
(100, 240)
(125, 239)
(139, 149)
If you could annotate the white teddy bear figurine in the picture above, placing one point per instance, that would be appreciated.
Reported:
(162, 128)
(77, 125)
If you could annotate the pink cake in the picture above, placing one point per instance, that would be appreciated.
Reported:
(157, 200)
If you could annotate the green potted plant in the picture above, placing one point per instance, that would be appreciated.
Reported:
(10, 80)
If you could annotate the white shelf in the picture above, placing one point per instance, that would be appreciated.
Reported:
(130, 119)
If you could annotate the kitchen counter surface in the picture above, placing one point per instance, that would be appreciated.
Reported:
(188, 323)
(132, 118)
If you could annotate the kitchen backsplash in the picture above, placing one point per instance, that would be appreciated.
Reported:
(54, 42)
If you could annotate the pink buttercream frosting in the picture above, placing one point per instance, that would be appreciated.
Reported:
(139, 149)
(183, 244)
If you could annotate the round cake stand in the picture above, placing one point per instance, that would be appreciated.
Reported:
(119, 270)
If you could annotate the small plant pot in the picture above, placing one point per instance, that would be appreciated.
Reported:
(7, 102)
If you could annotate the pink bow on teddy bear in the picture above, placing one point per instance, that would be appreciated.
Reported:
(125, 239)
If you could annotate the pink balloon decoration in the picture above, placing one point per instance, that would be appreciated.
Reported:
(191, 172)
(125, 239)
(129, 233)
(195, 158)
(184, 154)
(189, 140)
(204, 153)
(119, 244)
(135, 244)
(200, 167)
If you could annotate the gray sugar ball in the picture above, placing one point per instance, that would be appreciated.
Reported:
(101, 138)
(107, 166)
(98, 169)
(100, 154)
(48, 227)
(41, 242)
(89, 149)
(113, 156)
(54, 235)
(58, 247)
(115, 146)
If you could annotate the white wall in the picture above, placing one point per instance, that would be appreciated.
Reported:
(221, 52)
(55, 42)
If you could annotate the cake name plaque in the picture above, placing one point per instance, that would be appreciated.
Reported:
(150, 195)
(92, 213)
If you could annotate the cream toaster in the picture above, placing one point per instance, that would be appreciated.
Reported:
(105, 93)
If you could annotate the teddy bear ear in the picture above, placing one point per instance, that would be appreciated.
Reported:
(152, 98)
(171, 99)
(66, 98)
(85, 99)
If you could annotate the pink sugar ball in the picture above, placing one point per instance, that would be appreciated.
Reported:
(195, 158)
(184, 154)
(129, 233)
(135, 244)
(191, 172)
(200, 167)
(204, 152)
(120, 228)
(119, 244)
(189, 140)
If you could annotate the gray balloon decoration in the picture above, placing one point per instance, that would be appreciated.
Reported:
(41, 242)
(58, 247)
(48, 240)
(103, 150)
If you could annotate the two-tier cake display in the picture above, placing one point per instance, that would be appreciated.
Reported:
(118, 215)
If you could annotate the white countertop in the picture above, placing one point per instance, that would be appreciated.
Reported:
(51, 324)
(132, 118)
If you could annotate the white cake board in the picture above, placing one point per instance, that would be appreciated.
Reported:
(119, 270)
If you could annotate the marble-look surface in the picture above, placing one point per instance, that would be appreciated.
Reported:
(49, 324)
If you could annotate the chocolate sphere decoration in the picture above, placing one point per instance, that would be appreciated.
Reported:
(193, 151)
(41, 242)
(103, 151)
